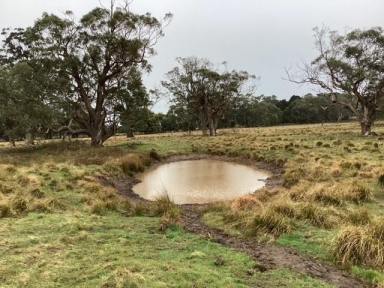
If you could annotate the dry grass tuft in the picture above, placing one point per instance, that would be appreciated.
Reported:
(18, 204)
(284, 207)
(269, 222)
(154, 155)
(131, 163)
(5, 210)
(170, 213)
(248, 202)
(360, 216)
(315, 215)
(361, 245)
(357, 193)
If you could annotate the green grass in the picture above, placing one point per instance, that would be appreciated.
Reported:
(71, 247)
(308, 240)
(79, 250)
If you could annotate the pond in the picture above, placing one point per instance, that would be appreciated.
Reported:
(200, 181)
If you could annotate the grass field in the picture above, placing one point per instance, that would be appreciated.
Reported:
(59, 227)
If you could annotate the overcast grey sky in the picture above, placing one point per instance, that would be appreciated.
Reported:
(260, 36)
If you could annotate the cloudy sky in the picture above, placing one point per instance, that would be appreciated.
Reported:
(261, 36)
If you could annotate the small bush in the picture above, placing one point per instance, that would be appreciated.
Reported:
(361, 245)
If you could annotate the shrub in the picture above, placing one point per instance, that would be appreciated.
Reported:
(361, 245)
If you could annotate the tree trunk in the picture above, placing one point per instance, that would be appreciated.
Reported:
(367, 119)
(365, 128)
(130, 133)
(203, 123)
(212, 129)
(29, 139)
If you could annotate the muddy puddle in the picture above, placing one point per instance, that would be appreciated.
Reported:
(200, 181)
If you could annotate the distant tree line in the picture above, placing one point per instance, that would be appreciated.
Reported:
(250, 112)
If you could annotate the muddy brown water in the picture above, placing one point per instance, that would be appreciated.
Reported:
(200, 181)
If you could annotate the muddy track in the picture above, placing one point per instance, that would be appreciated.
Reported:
(269, 256)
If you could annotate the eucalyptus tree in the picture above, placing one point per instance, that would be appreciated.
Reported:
(26, 106)
(196, 86)
(96, 54)
(349, 68)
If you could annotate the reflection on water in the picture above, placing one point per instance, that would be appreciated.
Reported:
(200, 181)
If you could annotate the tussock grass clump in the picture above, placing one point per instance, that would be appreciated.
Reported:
(170, 213)
(361, 245)
(101, 207)
(5, 210)
(248, 202)
(37, 193)
(326, 195)
(6, 189)
(153, 154)
(269, 222)
(284, 207)
(18, 204)
(357, 193)
(360, 216)
(315, 215)
(132, 163)
(292, 176)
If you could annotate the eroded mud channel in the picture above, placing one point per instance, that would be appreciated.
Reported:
(200, 181)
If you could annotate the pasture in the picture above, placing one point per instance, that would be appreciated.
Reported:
(63, 224)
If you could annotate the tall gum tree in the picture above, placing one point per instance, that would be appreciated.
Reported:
(349, 68)
(97, 53)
